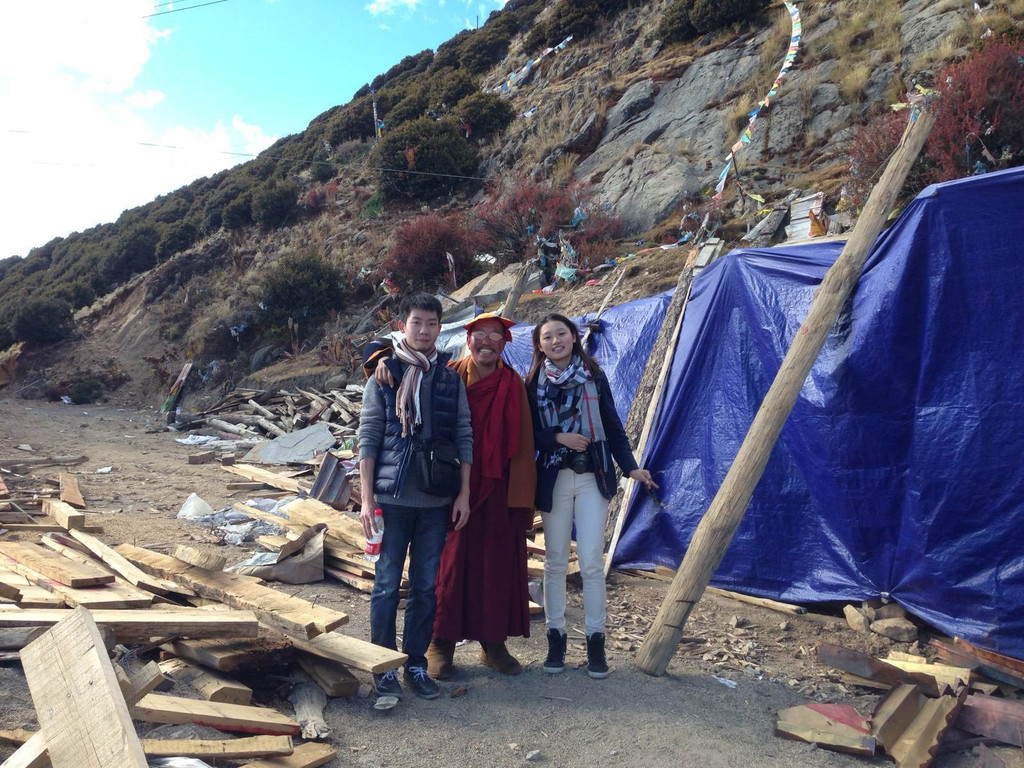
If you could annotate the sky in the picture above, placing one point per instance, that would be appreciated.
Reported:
(88, 87)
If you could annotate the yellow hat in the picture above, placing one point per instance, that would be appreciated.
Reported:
(491, 316)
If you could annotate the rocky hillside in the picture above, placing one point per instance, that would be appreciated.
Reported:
(619, 124)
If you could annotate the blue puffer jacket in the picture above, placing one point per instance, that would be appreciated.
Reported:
(396, 452)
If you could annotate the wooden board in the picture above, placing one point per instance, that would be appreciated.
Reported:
(140, 625)
(209, 684)
(214, 749)
(1008, 662)
(310, 512)
(70, 492)
(77, 700)
(53, 566)
(995, 718)
(65, 514)
(126, 569)
(200, 749)
(31, 754)
(270, 648)
(156, 708)
(352, 652)
(273, 479)
(278, 609)
(108, 596)
(334, 678)
(310, 755)
(32, 596)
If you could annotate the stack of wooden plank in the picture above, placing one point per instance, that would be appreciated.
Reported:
(85, 706)
(270, 414)
(206, 623)
(927, 708)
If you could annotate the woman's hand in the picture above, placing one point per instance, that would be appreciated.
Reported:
(572, 440)
(644, 477)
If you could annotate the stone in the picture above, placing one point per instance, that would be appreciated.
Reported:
(858, 621)
(889, 611)
(533, 755)
(825, 96)
(900, 630)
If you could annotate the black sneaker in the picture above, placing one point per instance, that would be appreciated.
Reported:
(597, 664)
(387, 684)
(555, 662)
(421, 683)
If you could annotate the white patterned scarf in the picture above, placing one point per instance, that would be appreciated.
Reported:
(407, 402)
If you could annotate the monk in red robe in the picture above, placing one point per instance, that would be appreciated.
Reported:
(482, 591)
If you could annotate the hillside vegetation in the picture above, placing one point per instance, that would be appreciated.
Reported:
(628, 123)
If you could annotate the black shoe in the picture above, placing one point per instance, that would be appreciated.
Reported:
(555, 662)
(421, 683)
(597, 664)
(387, 684)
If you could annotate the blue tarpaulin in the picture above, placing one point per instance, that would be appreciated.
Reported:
(900, 471)
(621, 348)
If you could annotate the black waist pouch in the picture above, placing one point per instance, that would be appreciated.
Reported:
(437, 466)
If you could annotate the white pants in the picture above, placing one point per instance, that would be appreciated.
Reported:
(576, 497)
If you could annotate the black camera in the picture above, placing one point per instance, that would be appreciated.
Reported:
(578, 462)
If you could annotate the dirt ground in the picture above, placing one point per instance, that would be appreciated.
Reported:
(693, 716)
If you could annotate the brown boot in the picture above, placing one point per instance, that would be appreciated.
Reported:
(441, 659)
(496, 656)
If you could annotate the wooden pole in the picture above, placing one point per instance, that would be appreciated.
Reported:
(719, 524)
(659, 362)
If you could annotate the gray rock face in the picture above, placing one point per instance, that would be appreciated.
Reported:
(638, 98)
(643, 183)
(825, 96)
(922, 28)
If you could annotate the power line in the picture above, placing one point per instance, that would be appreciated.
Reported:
(279, 158)
(177, 10)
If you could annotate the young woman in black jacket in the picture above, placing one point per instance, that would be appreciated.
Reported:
(577, 432)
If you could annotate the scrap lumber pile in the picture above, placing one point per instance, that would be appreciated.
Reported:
(40, 504)
(969, 699)
(345, 542)
(255, 413)
(70, 595)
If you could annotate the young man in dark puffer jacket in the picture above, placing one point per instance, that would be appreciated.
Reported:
(428, 401)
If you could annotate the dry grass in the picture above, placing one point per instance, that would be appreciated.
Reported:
(851, 86)
(737, 118)
(561, 171)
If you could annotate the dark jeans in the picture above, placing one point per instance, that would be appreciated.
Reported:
(422, 533)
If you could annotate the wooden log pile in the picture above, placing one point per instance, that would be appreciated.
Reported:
(69, 595)
(268, 414)
(970, 698)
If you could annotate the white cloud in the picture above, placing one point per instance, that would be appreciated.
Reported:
(441, 3)
(377, 7)
(76, 137)
(385, 27)
(144, 99)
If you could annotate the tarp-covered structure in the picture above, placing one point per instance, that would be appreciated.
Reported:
(900, 471)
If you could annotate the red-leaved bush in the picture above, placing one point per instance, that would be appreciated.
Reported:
(417, 260)
(981, 107)
(517, 210)
(979, 117)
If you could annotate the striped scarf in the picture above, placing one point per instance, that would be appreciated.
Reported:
(408, 398)
(568, 399)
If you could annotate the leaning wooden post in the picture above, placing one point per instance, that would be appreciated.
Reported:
(644, 408)
(719, 524)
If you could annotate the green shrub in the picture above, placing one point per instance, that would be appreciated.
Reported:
(87, 391)
(687, 18)
(134, 252)
(485, 114)
(675, 23)
(238, 213)
(43, 321)
(304, 286)
(433, 148)
(273, 203)
(177, 238)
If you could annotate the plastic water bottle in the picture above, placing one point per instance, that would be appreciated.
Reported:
(372, 551)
